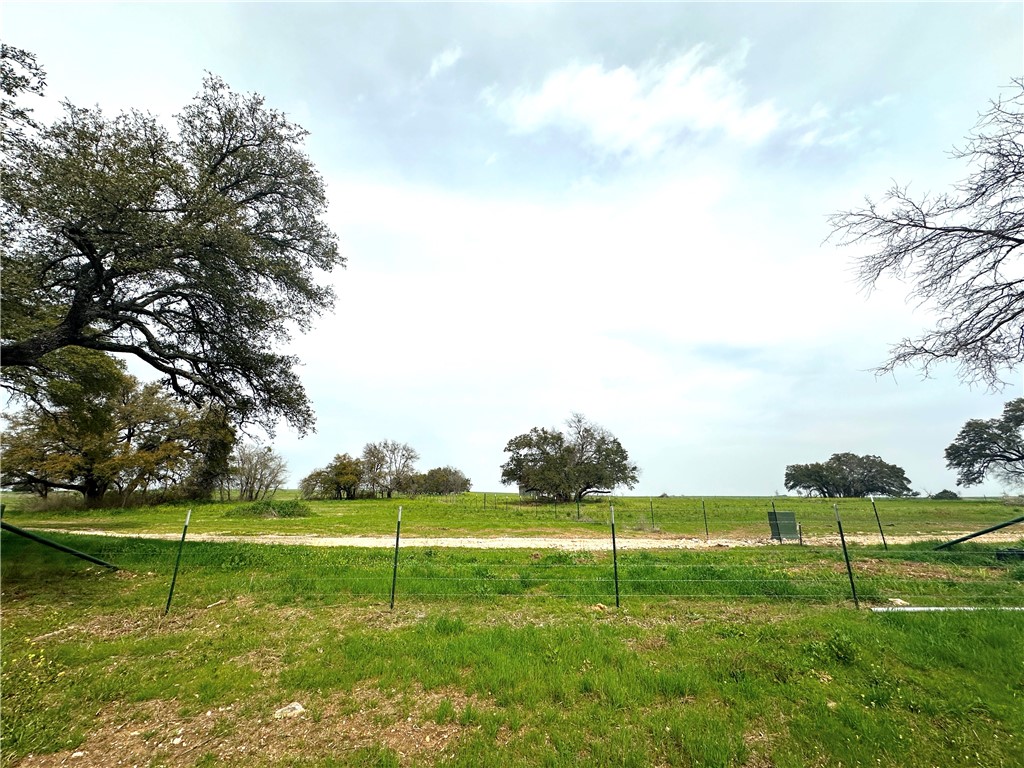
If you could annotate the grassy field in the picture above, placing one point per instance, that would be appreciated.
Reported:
(478, 514)
(742, 657)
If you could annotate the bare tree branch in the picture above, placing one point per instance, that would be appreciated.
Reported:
(961, 252)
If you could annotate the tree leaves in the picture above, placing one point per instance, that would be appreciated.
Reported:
(196, 253)
(95, 428)
(848, 475)
(589, 459)
(990, 446)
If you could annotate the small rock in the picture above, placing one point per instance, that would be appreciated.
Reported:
(176, 740)
(599, 607)
(292, 710)
(78, 754)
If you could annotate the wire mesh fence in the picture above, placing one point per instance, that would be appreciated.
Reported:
(972, 574)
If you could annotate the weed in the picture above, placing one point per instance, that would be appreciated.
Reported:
(838, 648)
(445, 713)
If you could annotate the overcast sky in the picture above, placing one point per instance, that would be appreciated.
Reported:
(614, 209)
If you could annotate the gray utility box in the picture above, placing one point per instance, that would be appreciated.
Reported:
(783, 525)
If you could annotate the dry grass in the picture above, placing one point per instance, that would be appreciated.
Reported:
(155, 732)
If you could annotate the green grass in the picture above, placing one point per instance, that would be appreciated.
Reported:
(478, 514)
(508, 658)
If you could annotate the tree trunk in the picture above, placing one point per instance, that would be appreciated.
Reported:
(93, 489)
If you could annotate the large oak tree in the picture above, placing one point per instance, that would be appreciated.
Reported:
(848, 475)
(568, 466)
(987, 447)
(96, 429)
(196, 250)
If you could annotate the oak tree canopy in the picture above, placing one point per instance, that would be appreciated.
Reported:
(848, 475)
(196, 250)
(990, 447)
(568, 466)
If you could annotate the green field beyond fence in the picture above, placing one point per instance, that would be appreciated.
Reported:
(490, 514)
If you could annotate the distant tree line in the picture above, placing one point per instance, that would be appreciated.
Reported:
(383, 469)
(984, 448)
(94, 429)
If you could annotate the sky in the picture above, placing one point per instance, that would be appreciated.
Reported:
(615, 209)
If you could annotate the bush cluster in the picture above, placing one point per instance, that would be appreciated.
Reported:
(268, 508)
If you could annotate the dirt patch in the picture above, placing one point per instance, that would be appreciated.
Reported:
(266, 661)
(150, 622)
(418, 725)
(759, 741)
(112, 627)
(757, 751)
(414, 724)
(642, 645)
(903, 569)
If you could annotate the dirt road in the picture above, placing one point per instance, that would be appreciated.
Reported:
(595, 544)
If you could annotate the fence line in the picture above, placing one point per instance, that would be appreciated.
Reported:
(968, 575)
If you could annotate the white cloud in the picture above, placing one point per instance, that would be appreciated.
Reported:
(671, 311)
(641, 111)
(820, 127)
(445, 60)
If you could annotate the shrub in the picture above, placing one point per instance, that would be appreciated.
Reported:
(946, 496)
(268, 508)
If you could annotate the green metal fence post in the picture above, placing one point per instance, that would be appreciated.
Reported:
(879, 521)
(846, 556)
(177, 562)
(615, 557)
(394, 568)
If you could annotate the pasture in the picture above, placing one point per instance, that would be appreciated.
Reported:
(741, 656)
(490, 514)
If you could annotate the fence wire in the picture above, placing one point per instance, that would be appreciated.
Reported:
(897, 576)
(971, 574)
